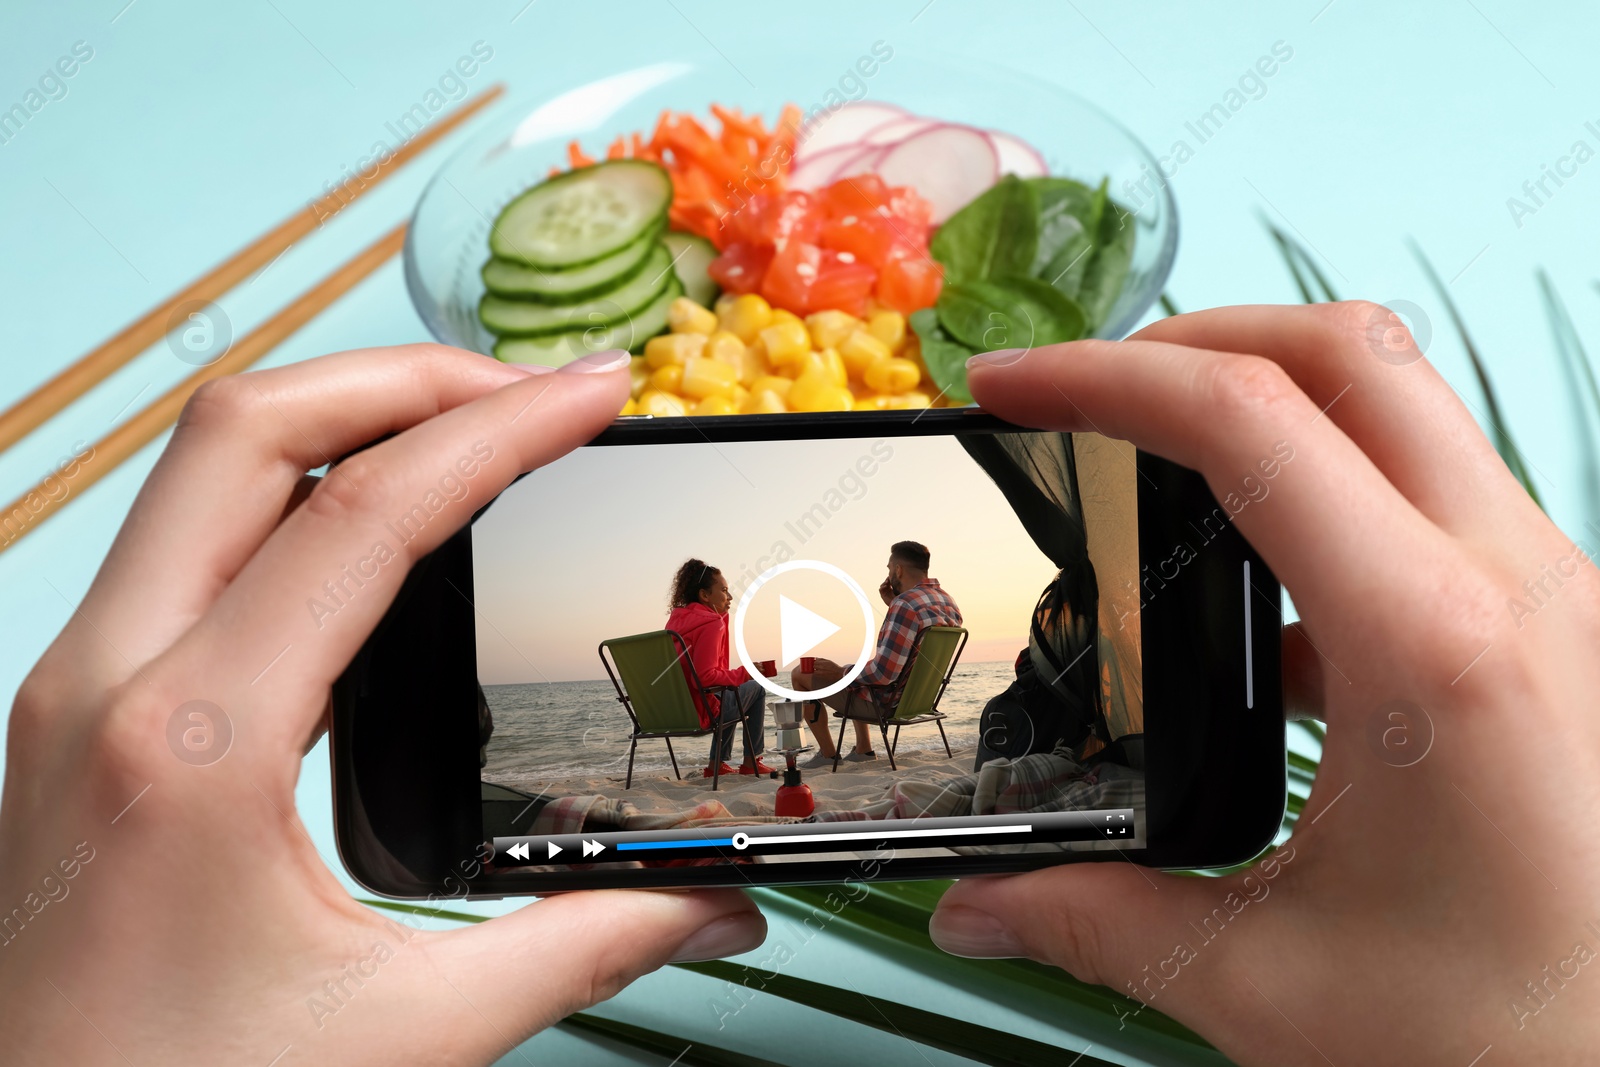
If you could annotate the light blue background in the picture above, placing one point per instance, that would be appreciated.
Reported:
(195, 127)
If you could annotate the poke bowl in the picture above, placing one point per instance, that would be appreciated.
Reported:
(845, 247)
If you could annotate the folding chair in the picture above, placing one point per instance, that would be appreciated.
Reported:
(649, 672)
(922, 683)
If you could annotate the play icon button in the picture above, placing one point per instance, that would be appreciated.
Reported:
(800, 630)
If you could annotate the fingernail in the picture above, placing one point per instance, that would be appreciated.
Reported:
(963, 931)
(1004, 357)
(531, 369)
(728, 936)
(597, 362)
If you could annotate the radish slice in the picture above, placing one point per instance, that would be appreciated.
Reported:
(817, 170)
(1017, 156)
(896, 130)
(865, 161)
(844, 126)
(947, 165)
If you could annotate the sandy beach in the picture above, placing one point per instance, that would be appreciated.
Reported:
(854, 785)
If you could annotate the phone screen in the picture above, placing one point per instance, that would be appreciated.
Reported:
(740, 652)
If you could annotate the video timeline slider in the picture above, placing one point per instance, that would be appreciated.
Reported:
(1112, 824)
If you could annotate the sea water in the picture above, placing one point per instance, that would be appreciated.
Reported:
(561, 730)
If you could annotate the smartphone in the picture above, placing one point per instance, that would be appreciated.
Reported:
(1076, 660)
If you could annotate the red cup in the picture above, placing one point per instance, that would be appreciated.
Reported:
(808, 664)
(767, 667)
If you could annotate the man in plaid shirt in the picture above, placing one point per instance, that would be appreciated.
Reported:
(915, 602)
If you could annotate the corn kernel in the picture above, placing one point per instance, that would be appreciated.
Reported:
(785, 342)
(810, 367)
(638, 375)
(655, 402)
(772, 384)
(668, 379)
(763, 402)
(893, 375)
(814, 379)
(630, 408)
(836, 367)
(873, 402)
(825, 398)
(785, 315)
(724, 302)
(708, 377)
(830, 328)
(861, 350)
(911, 400)
(747, 316)
(685, 316)
(752, 364)
(673, 348)
(715, 405)
(724, 346)
(890, 328)
(740, 395)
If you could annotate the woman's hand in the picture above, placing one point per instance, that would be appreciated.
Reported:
(1440, 896)
(171, 909)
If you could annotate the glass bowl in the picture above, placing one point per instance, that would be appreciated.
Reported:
(448, 239)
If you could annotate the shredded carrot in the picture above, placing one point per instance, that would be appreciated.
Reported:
(712, 175)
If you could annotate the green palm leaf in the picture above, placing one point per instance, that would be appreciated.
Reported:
(981, 1044)
(681, 1050)
(1498, 427)
(1575, 362)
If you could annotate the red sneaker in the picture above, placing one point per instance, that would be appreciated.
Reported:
(710, 772)
(759, 768)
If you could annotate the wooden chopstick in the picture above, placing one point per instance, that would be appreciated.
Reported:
(51, 495)
(32, 410)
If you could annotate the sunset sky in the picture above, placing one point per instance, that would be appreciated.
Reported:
(585, 549)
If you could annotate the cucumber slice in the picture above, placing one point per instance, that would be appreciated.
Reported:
(506, 317)
(582, 216)
(691, 255)
(554, 350)
(507, 277)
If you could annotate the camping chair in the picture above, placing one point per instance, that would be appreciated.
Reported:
(922, 680)
(651, 684)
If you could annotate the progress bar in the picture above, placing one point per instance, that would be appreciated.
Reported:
(1117, 825)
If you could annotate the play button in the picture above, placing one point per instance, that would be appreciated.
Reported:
(801, 629)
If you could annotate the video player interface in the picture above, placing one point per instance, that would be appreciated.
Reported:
(764, 652)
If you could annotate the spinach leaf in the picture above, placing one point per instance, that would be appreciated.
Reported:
(1108, 271)
(1069, 265)
(1066, 213)
(998, 233)
(1014, 311)
(945, 359)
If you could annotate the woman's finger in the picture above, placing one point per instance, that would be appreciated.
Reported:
(533, 967)
(228, 473)
(1299, 489)
(299, 610)
(1360, 366)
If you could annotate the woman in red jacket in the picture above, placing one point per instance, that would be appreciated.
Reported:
(700, 601)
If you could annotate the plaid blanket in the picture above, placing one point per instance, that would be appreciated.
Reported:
(1043, 782)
